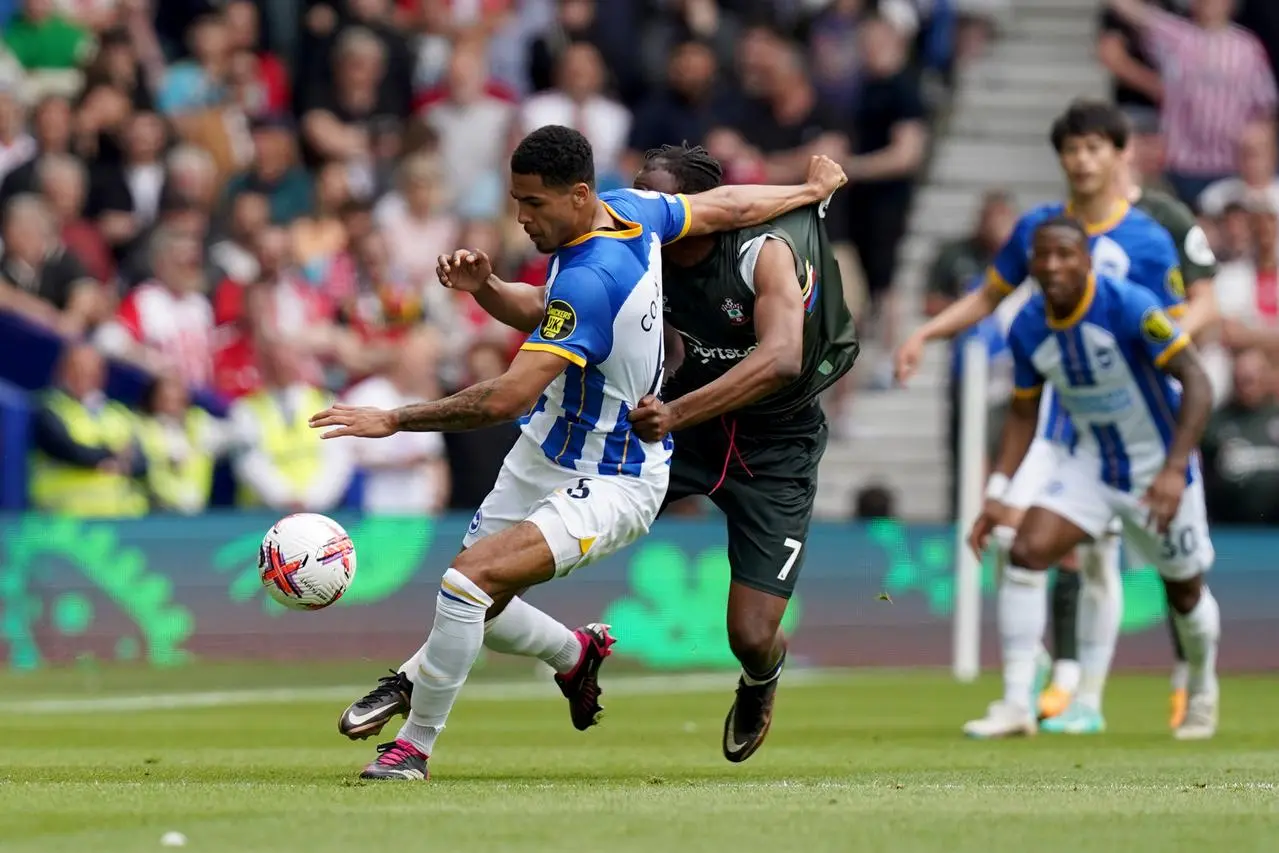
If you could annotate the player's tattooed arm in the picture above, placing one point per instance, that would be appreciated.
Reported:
(729, 207)
(487, 403)
(1196, 405)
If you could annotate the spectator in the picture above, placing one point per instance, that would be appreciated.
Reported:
(416, 221)
(316, 75)
(405, 474)
(180, 442)
(1241, 448)
(117, 65)
(319, 238)
(87, 462)
(473, 127)
(686, 110)
(283, 463)
(707, 22)
(1134, 78)
(1216, 79)
(1256, 181)
(234, 257)
(832, 41)
(198, 83)
(244, 28)
(51, 126)
(578, 101)
(275, 171)
(475, 457)
(166, 324)
(1233, 230)
(102, 116)
(1248, 289)
(874, 503)
(124, 199)
(614, 36)
(16, 145)
(44, 40)
(961, 261)
(39, 278)
(63, 182)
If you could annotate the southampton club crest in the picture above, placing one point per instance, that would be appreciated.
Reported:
(736, 315)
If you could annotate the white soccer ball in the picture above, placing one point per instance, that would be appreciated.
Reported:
(306, 561)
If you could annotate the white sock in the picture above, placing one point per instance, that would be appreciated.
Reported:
(446, 659)
(1101, 608)
(522, 629)
(1066, 675)
(1181, 676)
(1200, 630)
(1023, 615)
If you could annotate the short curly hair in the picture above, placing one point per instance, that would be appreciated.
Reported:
(559, 155)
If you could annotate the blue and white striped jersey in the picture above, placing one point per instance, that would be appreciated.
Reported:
(604, 315)
(1128, 247)
(1105, 366)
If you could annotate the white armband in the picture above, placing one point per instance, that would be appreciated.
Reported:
(996, 486)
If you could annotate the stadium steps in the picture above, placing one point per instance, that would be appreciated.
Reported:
(995, 135)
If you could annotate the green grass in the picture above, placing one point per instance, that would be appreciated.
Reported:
(864, 762)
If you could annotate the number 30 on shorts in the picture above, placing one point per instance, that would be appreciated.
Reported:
(1178, 544)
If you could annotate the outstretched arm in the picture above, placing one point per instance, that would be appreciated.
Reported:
(961, 315)
(777, 360)
(728, 208)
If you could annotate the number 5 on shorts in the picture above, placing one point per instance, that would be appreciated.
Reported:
(795, 546)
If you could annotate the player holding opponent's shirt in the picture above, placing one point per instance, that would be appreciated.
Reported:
(1112, 353)
(579, 483)
(760, 317)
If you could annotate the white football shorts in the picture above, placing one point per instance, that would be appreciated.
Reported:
(583, 517)
(1077, 494)
(1034, 473)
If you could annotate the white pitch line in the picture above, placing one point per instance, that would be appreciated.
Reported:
(655, 685)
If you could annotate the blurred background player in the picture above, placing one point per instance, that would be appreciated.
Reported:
(758, 318)
(580, 483)
(1090, 139)
(1111, 351)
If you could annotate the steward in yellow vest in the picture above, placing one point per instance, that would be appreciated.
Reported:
(181, 442)
(286, 465)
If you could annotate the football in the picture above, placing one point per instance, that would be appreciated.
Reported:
(306, 561)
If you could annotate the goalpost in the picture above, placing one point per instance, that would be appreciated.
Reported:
(971, 473)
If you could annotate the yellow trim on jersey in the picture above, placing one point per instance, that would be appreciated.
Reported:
(1176, 311)
(534, 346)
(585, 544)
(1085, 302)
(1116, 215)
(632, 230)
(688, 216)
(1028, 393)
(995, 281)
(1182, 341)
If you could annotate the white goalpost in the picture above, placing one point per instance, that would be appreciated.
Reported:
(971, 473)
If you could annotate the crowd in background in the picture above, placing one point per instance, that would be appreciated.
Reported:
(244, 200)
(1196, 78)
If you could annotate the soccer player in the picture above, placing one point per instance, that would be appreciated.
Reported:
(1198, 268)
(579, 483)
(1110, 351)
(1090, 138)
(759, 315)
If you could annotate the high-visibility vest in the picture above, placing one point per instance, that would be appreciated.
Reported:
(292, 446)
(87, 492)
(184, 486)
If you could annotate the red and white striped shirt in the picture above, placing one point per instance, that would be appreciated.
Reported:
(179, 326)
(1215, 82)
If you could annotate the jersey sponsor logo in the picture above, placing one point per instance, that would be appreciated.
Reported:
(736, 315)
(1157, 327)
(1197, 248)
(560, 320)
(1176, 284)
(706, 354)
(1088, 403)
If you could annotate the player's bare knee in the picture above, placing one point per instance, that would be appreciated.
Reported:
(1183, 596)
(1030, 553)
(752, 638)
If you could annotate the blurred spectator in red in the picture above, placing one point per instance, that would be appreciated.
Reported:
(124, 198)
(1216, 78)
(319, 238)
(234, 257)
(416, 220)
(275, 171)
(384, 304)
(166, 324)
(690, 105)
(284, 464)
(407, 473)
(1256, 181)
(473, 127)
(578, 101)
(51, 128)
(42, 39)
(198, 83)
(39, 278)
(245, 28)
(1241, 447)
(1248, 288)
(16, 145)
(63, 182)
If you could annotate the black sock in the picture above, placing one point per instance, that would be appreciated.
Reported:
(1176, 639)
(772, 673)
(1065, 606)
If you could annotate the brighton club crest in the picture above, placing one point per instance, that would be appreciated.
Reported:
(736, 315)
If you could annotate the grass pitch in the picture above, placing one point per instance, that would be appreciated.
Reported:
(109, 761)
